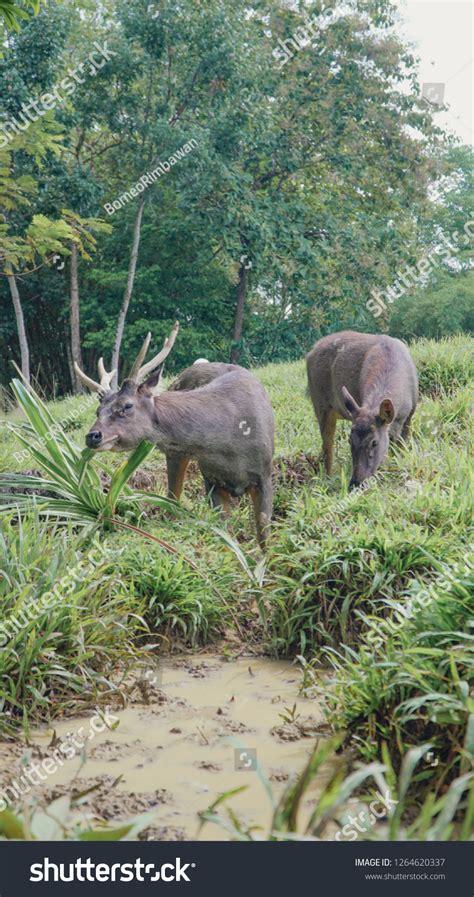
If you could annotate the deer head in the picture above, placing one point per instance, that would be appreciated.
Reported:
(369, 436)
(126, 416)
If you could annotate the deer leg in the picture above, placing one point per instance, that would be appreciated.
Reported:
(220, 498)
(208, 489)
(407, 425)
(262, 500)
(176, 466)
(327, 425)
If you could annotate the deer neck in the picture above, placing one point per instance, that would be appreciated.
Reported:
(181, 422)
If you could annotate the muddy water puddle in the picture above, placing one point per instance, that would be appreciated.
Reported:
(207, 722)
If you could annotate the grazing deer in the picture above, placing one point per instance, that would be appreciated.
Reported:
(366, 378)
(218, 414)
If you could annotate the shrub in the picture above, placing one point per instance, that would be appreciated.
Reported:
(57, 653)
(179, 602)
(444, 366)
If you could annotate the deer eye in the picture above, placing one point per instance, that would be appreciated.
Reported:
(125, 408)
(373, 444)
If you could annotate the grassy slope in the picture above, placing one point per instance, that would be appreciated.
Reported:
(335, 563)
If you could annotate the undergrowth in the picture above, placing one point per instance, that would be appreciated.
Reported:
(341, 569)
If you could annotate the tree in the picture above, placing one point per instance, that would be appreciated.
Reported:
(55, 176)
(14, 12)
(314, 174)
(440, 300)
(178, 57)
(82, 244)
(42, 235)
(305, 190)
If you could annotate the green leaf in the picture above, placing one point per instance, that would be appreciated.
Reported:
(11, 827)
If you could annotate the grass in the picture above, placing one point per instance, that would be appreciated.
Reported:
(332, 817)
(58, 822)
(339, 572)
(176, 600)
(444, 365)
(73, 488)
(59, 657)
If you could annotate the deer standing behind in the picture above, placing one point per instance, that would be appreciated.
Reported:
(369, 379)
(218, 414)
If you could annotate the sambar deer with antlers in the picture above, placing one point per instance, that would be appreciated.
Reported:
(218, 414)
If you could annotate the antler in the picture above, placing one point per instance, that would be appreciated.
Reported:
(139, 372)
(133, 375)
(105, 378)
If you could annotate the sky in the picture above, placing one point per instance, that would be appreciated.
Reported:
(441, 32)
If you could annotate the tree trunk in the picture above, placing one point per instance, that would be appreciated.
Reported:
(20, 324)
(72, 373)
(239, 314)
(75, 320)
(129, 288)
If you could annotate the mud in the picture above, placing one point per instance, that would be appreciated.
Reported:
(177, 747)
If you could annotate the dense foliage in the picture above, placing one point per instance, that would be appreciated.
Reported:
(310, 182)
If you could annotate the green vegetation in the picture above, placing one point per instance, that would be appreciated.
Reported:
(344, 585)
(63, 654)
(308, 185)
(74, 486)
(58, 822)
(331, 820)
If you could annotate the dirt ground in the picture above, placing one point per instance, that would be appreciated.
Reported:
(194, 729)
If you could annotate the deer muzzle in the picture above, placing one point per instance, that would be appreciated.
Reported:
(93, 439)
(96, 440)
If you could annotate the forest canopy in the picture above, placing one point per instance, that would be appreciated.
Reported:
(264, 174)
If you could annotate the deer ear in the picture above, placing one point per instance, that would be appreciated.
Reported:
(350, 403)
(386, 411)
(152, 381)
